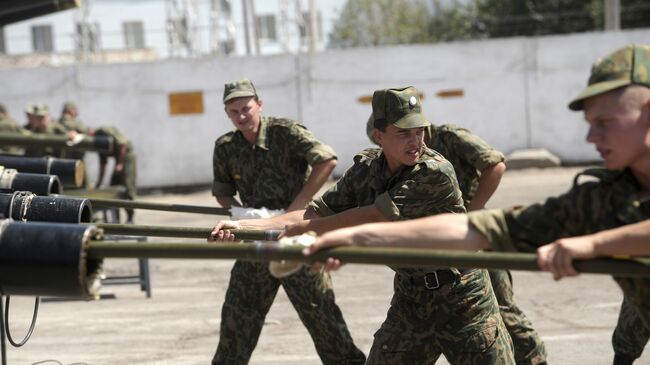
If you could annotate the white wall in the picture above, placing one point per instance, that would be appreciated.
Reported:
(516, 93)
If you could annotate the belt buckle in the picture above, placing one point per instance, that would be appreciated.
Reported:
(431, 286)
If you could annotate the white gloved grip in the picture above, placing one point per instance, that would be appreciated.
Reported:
(282, 269)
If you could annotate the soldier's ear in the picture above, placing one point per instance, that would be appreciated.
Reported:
(377, 136)
(260, 103)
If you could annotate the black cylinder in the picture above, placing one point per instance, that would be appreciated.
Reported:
(30, 207)
(69, 171)
(38, 184)
(47, 259)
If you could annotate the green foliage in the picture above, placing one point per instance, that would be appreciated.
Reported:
(365, 23)
(382, 22)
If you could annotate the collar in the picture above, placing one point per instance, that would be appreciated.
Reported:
(261, 134)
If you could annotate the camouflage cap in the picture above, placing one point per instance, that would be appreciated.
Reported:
(238, 89)
(40, 110)
(399, 107)
(69, 106)
(627, 66)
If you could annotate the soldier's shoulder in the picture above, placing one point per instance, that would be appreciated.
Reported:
(225, 138)
(597, 175)
(451, 128)
(433, 159)
(366, 156)
(283, 122)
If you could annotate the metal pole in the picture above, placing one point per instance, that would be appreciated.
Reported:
(3, 341)
(612, 10)
(359, 255)
(246, 30)
(102, 144)
(184, 232)
(313, 26)
(181, 208)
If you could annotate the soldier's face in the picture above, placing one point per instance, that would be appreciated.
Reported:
(244, 113)
(619, 128)
(38, 123)
(402, 147)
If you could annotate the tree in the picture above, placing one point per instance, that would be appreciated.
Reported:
(364, 23)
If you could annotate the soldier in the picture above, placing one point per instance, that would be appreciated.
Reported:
(434, 310)
(69, 119)
(273, 163)
(73, 125)
(38, 121)
(8, 125)
(616, 105)
(479, 169)
(124, 170)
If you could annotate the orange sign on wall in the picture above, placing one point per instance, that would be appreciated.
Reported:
(186, 103)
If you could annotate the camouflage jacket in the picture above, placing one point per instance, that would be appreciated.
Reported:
(429, 187)
(52, 128)
(271, 172)
(119, 140)
(72, 124)
(8, 125)
(612, 200)
(468, 153)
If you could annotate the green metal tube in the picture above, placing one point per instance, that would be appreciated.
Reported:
(181, 208)
(359, 255)
(184, 232)
(101, 144)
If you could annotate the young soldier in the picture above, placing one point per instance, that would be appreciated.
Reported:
(616, 105)
(434, 310)
(273, 163)
(8, 125)
(479, 169)
(69, 118)
(38, 121)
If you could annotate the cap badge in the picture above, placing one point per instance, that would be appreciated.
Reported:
(413, 101)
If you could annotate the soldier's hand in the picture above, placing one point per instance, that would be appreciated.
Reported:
(295, 229)
(557, 257)
(340, 237)
(222, 231)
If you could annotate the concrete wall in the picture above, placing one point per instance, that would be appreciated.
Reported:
(516, 93)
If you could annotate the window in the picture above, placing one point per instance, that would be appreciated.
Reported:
(42, 40)
(266, 29)
(88, 36)
(133, 34)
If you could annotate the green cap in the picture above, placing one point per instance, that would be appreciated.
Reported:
(69, 106)
(399, 107)
(238, 89)
(627, 66)
(37, 109)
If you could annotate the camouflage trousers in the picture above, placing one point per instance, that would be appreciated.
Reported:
(633, 327)
(127, 178)
(529, 347)
(251, 292)
(460, 320)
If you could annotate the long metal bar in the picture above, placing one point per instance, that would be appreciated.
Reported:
(184, 232)
(134, 204)
(358, 255)
(99, 144)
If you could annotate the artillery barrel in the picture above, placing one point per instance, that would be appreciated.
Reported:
(16, 10)
(24, 205)
(47, 259)
(69, 171)
(12, 180)
(101, 144)
(184, 232)
(180, 208)
(360, 255)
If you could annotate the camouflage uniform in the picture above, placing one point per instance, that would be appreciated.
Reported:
(270, 174)
(469, 155)
(609, 202)
(53, 128)
(460, 318)
(128, 176)
(8, 125)
(73, 124)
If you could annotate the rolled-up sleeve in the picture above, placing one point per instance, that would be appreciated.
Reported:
(493, 226)
(222, 183)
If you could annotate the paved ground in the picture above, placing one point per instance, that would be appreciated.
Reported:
(179, 324)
